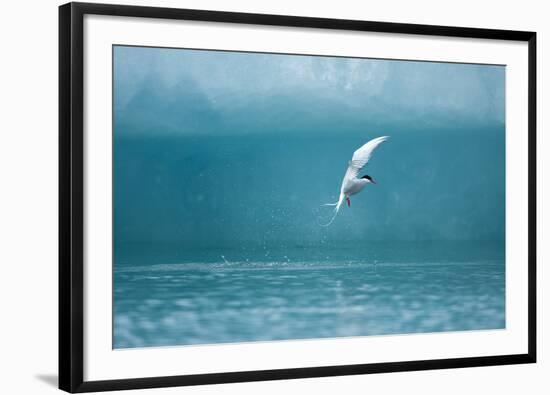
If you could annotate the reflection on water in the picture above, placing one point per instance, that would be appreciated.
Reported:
(228, 300)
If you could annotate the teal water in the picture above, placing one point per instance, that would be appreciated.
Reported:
(223, 160)
(300, 293)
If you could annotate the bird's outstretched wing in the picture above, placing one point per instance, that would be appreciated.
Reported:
(362, 156)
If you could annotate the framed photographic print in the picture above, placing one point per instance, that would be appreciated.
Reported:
(253, 197)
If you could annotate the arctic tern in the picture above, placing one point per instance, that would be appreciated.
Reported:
(351, 184)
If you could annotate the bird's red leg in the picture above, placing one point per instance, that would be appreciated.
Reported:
(349, 202)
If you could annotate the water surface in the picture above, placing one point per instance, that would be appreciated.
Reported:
(285, 297)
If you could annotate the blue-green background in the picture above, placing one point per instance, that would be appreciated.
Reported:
(221, 163)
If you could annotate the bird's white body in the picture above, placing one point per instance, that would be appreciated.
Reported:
(351, 184)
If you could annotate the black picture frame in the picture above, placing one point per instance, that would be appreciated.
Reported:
(71, 195)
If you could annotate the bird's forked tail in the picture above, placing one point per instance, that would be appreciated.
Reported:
(336, 208)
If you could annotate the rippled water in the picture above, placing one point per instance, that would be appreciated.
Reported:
(240, 301)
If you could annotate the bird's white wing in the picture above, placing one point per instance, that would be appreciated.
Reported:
(362, 156)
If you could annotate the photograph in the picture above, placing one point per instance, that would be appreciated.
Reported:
(261, 197)
(275, 197)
